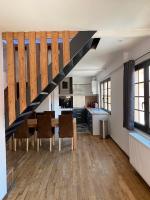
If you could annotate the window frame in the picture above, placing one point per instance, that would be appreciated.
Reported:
(107, 95)
(144, 65)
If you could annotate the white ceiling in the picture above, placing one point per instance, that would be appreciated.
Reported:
(119, 23)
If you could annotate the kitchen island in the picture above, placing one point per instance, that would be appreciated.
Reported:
(93, 117)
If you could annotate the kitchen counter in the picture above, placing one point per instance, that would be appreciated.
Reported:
(94, 115)
(97, 111)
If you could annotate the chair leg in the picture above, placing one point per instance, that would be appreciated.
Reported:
(32, 141)
(15, 144)
(27, 144)
(72, 142)
(59, 144)
(19, 142)
(38, 144)
(50, 144)
(53, 140)
(35, 137)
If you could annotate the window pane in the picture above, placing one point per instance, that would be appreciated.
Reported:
(109, 107)
(136, 90)
(101, 90)
(109, 99)
(106, 92)
(141, 89)
(105, 105)
(141, 75)
(141, 103)
(149, 88)
(149, 72)
(109, 84)
(105, 85)
(136, 77)
(136, 119)
(141, 118)
(136, 103)
(102, 103)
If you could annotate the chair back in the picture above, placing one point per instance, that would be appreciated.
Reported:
(22, 131)
(44, 127)
(65, 112)
(39, 113)
(51, 113)
(65, 126)
(32, 116)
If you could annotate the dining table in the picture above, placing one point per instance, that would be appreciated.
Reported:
(32, 123)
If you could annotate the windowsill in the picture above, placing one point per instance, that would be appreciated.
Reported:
(141, 137)
(109, 112)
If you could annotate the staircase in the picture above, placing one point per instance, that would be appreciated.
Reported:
(80, 44)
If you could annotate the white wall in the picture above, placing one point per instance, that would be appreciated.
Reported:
(118, 133)
(3, 183)
(78, 101)
(45, 105)
(55, 102)
(82, 86)
(115, 72)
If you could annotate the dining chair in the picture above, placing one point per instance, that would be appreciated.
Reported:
(67, 112)
(51, 113)
(44, 129)
(22, 132)
(32, 116)
(65, 129)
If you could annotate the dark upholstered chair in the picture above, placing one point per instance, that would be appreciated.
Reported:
(39, 113)
(22, 132)
(65, 112)
(44, 129)
(65, 128)
(32, 116)
(52, 113)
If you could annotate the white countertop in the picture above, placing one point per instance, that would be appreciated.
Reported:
(97, 111)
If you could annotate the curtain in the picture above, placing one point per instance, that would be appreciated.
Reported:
(128, 95)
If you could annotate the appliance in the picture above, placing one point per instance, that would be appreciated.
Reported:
(66, 101)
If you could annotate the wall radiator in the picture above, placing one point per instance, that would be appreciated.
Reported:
(139, 152)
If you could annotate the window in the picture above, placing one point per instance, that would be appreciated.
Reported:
(142, 96)
(105, 87)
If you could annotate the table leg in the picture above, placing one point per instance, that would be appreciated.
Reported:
(74, 136)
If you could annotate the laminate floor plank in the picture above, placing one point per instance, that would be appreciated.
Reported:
(97, 170)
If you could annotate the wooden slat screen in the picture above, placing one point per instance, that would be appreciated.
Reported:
(22, 71)
(72, 34)
(11, 78)
(43, 60)
(32, 66)
(55, 54)
(66, 47)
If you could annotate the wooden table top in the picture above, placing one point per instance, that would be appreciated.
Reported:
(32, 123)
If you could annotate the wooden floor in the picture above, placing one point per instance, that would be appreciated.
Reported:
(98, 170)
